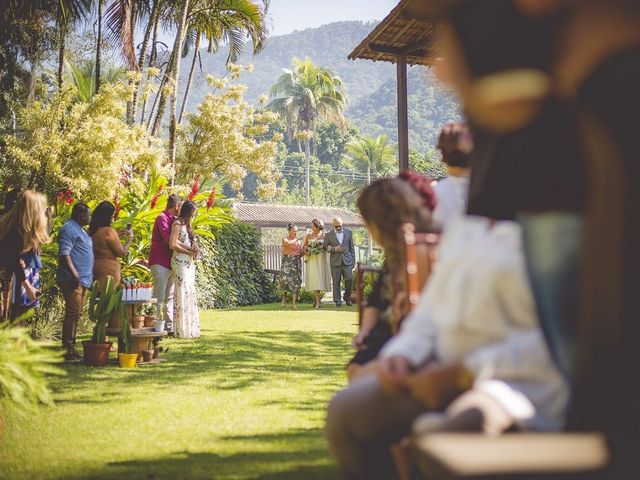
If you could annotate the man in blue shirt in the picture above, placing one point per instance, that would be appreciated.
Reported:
(74, 274)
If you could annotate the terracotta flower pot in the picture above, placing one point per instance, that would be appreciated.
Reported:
(147, 355)
(149, 320)
(96, 354)
(137, 322)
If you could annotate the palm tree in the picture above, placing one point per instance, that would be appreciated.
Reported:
(304, 94)
(370, 156)
(83, 77)
(227, 21)
(68, 12)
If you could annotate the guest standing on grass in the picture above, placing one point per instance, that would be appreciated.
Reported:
(339, 243)
(107, 247)
(185, 251)
(23, 229)
(74, 274)
(291, 265)
(317, 274)
(160, 261)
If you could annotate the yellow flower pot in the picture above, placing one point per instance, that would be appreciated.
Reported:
(128, 360)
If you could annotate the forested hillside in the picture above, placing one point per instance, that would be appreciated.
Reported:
(370, 85)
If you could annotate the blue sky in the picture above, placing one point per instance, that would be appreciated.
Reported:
(289, 15)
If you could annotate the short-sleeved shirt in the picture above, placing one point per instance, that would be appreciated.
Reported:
(160, 252)
(74, 242)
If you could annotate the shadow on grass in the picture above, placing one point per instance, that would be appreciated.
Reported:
(225, 361)
(301, 455)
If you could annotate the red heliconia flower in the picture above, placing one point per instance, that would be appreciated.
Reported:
(194, 188)
(60, 195)
(212, 197)
(154, 200)
(70, 200)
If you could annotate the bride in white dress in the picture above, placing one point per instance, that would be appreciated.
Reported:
(317, 276)
(186, 319)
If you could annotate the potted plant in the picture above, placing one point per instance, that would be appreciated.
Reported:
(126, 358)
(149, 315)
(147, 354)
(102, 305)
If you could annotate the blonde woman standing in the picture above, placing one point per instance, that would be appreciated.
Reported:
(23, 229)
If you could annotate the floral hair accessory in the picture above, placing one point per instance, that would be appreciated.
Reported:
(422, 185)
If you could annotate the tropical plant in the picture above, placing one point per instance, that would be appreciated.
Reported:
(370, 156)
(127, 340)
(83, 146)
(24, 367)
(221, 139)
(303, 95)
(83, 78)
(103, 303)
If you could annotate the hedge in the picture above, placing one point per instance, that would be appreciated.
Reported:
(231, 272)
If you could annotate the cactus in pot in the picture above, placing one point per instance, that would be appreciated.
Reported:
(102, 305)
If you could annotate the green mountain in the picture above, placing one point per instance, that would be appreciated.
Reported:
(371, 86)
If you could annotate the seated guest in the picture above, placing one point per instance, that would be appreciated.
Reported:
(455, 143)
(474, 335)
(386, 205)
(107, 247)
(74, 274)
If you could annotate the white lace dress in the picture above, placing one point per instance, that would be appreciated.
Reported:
(186, 319)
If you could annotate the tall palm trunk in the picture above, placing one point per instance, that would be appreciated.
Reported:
(61, 45)
(161, 96)
(188, 87)
(307, 163)
(153, 20)
(177, 47)
(152, 59)
(99, 47)
(131, 56)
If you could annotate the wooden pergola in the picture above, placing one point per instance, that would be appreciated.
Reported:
(404, 37)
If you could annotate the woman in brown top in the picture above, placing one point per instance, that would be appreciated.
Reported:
(107, 247)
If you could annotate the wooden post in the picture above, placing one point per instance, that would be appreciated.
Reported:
(403, 122)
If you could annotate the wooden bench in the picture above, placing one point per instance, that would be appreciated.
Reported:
(361, 301)
(517, 456)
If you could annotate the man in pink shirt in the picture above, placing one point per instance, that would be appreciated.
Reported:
(160, 261)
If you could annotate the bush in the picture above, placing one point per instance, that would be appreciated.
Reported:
(231, 270)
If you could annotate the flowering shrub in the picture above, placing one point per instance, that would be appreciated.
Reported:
(221, 139)
(64, 143)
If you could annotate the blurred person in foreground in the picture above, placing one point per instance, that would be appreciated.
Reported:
(386, 205)
(597, 68)
(455, 143)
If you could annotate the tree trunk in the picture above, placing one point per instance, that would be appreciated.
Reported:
(307, 162)
(155, 14)
(32, 82)
(132, 60)
(177, 49)
(99, 47)
(188, 87)
(63, 35)
(369, 239)
(152, 59)
(161, 97)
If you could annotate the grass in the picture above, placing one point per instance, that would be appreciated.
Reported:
(244, 401)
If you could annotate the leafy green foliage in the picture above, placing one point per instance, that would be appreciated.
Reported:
(24, 366)
(231, 270)
(102, 305)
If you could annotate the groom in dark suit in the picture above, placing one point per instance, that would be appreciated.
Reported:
(339, 243)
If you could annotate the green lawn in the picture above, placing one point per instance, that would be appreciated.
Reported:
(244, 401)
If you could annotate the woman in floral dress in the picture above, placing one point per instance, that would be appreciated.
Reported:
(185, 309)
(291, 265)
(317, 275)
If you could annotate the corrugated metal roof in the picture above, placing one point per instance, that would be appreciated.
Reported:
(270, 215)
(404, 31)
